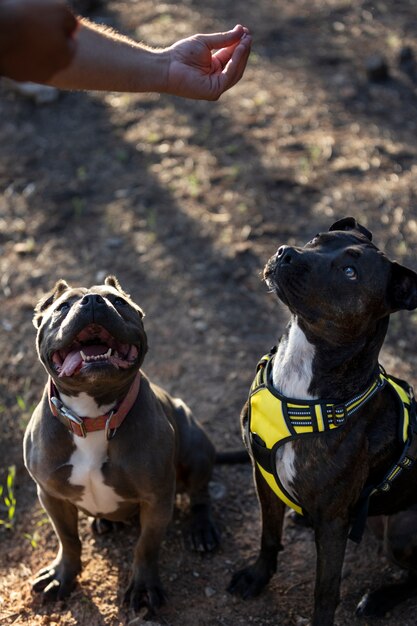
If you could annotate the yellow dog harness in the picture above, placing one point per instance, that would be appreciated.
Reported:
(275, 420)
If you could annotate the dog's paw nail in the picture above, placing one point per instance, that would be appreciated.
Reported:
(367, 607)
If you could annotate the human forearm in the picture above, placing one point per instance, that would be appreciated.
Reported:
(107, 61)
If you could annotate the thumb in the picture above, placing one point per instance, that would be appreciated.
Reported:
(216, 41)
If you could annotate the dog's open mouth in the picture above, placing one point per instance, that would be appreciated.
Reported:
(93, 346)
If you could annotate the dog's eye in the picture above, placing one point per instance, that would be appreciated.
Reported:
(314, 241)
(350, 272)
(64, 306)
(120, 302)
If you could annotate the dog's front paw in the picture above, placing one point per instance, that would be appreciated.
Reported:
(381, 601)
(141, 594)
(55, 581)
(202, 534)
(249, 581)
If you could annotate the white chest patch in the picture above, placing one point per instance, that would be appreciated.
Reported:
(293, 365)
(291, 375)
(84, 405)
(87, 460)
(284, 460)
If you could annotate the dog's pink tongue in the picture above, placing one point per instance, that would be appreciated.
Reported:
(73, 360)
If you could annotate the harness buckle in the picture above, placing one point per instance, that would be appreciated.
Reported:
(386, 486)
(406, 462)
(339, 420)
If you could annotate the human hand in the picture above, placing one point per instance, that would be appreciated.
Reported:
(36, 38)
(194, 71)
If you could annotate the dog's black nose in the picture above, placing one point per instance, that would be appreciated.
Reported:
(92, 298)
(285, 254)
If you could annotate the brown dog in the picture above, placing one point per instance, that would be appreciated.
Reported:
(106, 441)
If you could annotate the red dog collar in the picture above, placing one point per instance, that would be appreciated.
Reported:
(80, 426)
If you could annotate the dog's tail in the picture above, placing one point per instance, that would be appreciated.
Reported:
(232, 457)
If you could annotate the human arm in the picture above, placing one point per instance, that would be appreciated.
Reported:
(107, 61)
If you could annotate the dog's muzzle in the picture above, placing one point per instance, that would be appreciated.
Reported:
(94, 345)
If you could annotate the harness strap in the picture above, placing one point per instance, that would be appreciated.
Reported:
(261, 453)
(406, 461)
(361, 514)
(303, 414)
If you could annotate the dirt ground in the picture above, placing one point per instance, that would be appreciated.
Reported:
(185, 201)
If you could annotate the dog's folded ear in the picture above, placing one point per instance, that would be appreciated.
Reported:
(112, 281)
(349, 223)
(402, 288)
(45, 302)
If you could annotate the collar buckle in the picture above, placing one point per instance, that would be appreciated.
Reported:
(70, 418)
(109, 432)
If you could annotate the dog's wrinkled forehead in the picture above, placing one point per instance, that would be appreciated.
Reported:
(350, 224)
(345, 233)
(62, 292)
(341, 239)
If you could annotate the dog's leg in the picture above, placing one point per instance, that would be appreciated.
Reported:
(202, 533)
(331, 538)
(194, 471)
(250, 581)
(58, 579)
(145, 588)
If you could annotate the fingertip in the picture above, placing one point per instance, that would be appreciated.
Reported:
(246, 37)
(238, 29)
(245, 42)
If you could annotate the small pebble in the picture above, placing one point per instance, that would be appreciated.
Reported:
(376, 68)
(209, 592)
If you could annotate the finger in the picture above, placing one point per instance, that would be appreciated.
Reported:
(235, 67)
(223, 56)
(215, 41)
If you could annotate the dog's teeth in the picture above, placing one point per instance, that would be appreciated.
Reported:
(97, 357)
